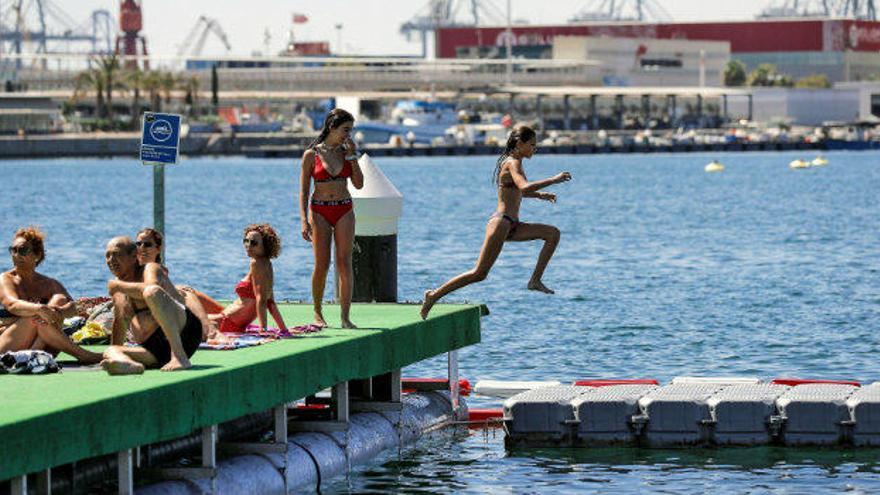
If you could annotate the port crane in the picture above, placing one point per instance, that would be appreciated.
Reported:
(438, 14)
(194, 42)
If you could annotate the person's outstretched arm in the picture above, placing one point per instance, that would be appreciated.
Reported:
(261, 278)
(523, 184)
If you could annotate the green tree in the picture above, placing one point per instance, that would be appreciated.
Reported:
(768, 75)
(168, 83)
(109, 67)
(813, 81)
(152, 84)
(134, 81)
(190, 86)
(90, 79)
(734, 73)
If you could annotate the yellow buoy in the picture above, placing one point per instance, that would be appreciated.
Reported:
(714, 166)
(799, 164)
(819, 161)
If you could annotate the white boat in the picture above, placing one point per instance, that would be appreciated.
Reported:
(794, 164)
(819, 161)
(470, 134)
(714, 166)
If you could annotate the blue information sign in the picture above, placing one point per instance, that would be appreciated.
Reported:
(160, 141)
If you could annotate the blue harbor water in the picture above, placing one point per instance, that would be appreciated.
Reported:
(663, 270)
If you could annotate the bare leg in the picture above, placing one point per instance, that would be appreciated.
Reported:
(18, 334)
(496, 233)
(209, 330)
(343, 235)
(322, 234)
(550, 235)
(171, 318)
(27, 332)
(120, 360)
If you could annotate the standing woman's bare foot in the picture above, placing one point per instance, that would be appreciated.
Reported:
(428, 304)
(540, 287)
(320, 321)
(177, 364)
(346, 323)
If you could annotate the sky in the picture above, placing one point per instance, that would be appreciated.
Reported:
(369, 27)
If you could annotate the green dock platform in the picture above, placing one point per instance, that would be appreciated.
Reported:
(49, 420)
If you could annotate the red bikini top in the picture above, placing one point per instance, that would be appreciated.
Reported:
(245, 290)
(320, 173)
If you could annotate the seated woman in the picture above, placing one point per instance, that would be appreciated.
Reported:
(254, 291)
(149, 250)
(33, 306)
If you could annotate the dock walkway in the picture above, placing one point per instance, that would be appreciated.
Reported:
(49, 420)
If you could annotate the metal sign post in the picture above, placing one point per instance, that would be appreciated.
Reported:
(160, 146)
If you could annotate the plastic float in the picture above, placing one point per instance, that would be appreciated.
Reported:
(696, 411)
(795, 164)
(714, 166)
(504, 389)
(313, 456)
(607, 382)
(819, 161)
(794, 382)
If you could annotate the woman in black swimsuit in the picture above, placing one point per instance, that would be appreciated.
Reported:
(504, 224)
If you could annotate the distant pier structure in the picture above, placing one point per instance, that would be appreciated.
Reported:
(30, 30)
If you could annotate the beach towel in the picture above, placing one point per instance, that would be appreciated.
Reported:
(28, 363)
(237, 341)
(279, 334)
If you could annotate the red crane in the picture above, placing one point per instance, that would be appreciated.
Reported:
(130, 24)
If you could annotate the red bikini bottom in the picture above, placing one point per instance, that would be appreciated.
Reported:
(332, 211)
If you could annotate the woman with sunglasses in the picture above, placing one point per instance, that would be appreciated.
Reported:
(255, 291)
(327, 213)
(33, 306)
(504, 225)
(149, 250)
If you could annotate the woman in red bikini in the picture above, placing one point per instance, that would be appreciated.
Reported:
(504, 224)
(254, 291)
(330, 161)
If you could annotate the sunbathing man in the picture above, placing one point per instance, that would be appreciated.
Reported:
(168, 332)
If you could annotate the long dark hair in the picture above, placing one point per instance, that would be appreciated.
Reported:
(157, 237)
(519, 134)
(334, 119)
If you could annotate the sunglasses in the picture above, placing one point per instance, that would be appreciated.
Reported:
(250, 242)
(145, 244)
(22, 250)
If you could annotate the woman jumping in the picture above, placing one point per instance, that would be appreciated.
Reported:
(504, 224)
(330, 161)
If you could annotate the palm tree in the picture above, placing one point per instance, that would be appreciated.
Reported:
(191, 98)
(91, 79)
(153, 85)
(108, 66)
(168, 83)
(134, 80)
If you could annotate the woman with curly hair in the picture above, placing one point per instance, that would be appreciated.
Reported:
(33, 306)
(254, 291)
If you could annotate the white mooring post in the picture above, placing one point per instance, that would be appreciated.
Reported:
(18, 485)
(125, 468)
(452, 358)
